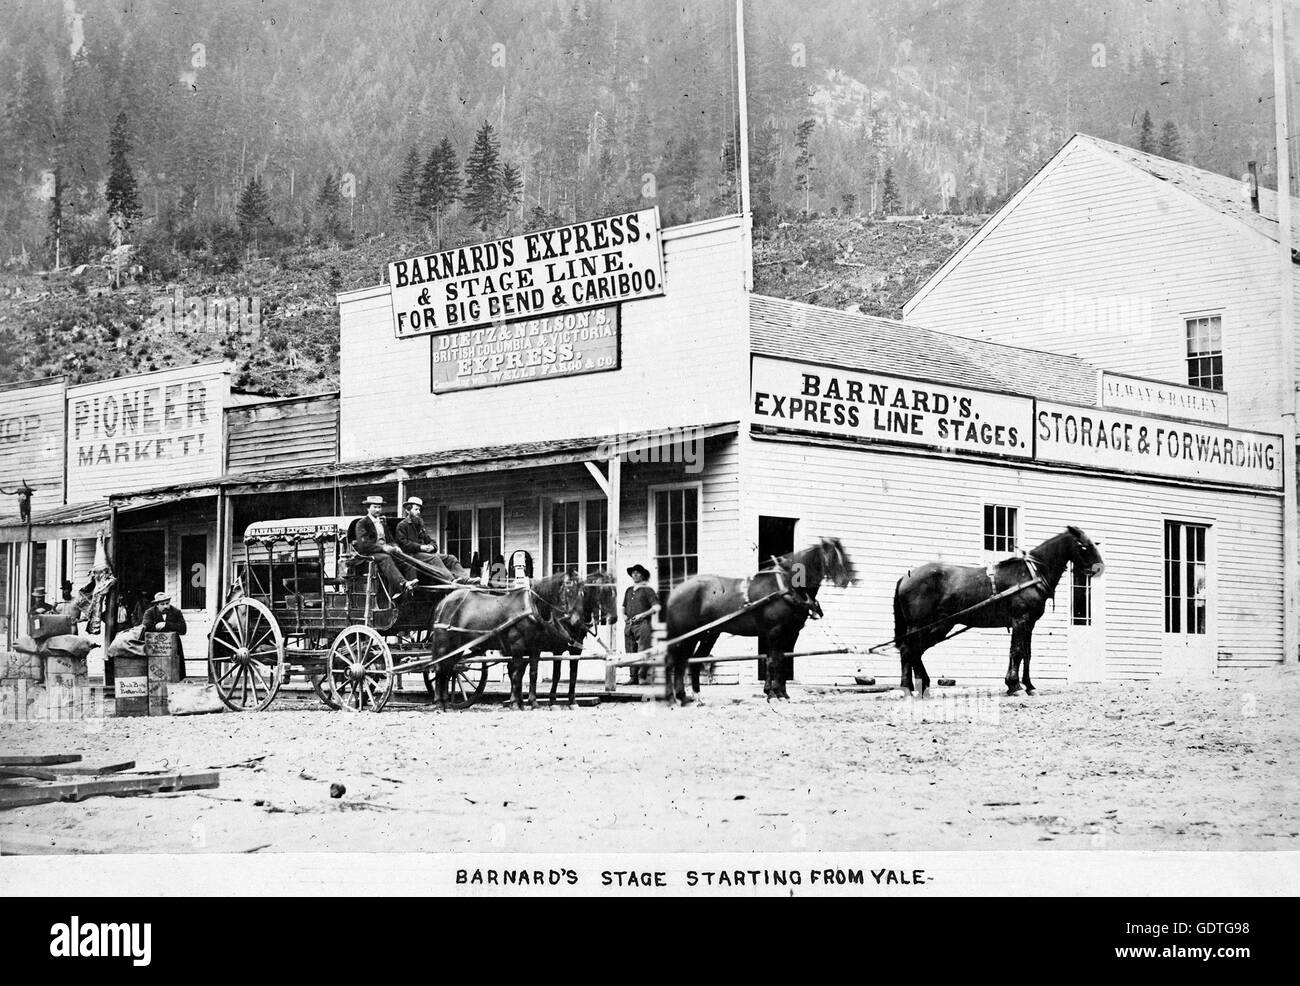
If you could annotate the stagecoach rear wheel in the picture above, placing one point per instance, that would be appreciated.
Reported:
(246, 655)
(466, 684)
(358, 671)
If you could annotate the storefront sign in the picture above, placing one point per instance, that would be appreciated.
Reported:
(1155, 397)
(603, 261)
(536, 349)
(808, 397)
(149, 430)
(1130, 443)
(31, 444)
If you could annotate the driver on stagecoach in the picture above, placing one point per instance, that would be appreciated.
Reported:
(373, 540)
(418, 543)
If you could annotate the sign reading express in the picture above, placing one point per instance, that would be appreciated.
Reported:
(1128, 442)
(868, 405)
(536, 349)
(603, 261)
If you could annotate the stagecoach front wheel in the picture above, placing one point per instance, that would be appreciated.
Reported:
(246, 655)
(359, 671)
(465, 687)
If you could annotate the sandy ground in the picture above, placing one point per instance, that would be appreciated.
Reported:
(1167, 765)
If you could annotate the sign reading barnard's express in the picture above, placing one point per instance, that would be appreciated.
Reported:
(534, 349)
(815, 398)
(599, 262)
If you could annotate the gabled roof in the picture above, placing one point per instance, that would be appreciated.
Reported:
(793, 330)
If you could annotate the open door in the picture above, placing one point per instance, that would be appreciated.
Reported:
(775, 537)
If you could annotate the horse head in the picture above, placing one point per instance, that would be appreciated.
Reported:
(565, 594)
(600, 597)
(837, 567)
(1084, 553)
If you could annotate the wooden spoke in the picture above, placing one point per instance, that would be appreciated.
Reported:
(246, 655)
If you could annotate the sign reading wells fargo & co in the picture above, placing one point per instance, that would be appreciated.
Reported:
(599, 262)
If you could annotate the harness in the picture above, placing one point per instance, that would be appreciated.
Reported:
(794, 596)
(530, 612)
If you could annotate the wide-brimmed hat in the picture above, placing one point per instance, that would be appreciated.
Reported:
(639, 568)
(413, 501)
(162, 597)
(375, 500)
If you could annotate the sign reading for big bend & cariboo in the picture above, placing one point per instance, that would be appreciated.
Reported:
(599, 262)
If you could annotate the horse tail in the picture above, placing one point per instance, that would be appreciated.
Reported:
(900, 626)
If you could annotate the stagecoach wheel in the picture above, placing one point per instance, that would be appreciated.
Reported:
(246, 655)
(466, 684)
(359, 671)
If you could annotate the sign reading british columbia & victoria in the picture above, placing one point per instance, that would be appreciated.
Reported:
(533, 349)
(599, 262)
(851, 404)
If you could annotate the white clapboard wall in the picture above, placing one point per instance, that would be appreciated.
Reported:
(1101, 260)
(31, 444)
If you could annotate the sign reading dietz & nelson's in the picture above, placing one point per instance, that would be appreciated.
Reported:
(148, 430)
(1184, 450)
(599, 262)
(810, 397)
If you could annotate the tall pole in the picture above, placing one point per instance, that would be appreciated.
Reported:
(1286, 308)
(742, 129)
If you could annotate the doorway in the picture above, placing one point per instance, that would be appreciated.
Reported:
(775, 537)
(1086, 635)
(1189, 639)
(142, 569)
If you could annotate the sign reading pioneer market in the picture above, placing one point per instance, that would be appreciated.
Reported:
(534, 349)
(600, 262)
(1155, 397)
(809, 397)
(1114, 440)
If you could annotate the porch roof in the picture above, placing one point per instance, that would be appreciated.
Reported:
(74, 520)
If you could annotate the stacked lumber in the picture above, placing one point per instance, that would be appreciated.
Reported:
(41, 779)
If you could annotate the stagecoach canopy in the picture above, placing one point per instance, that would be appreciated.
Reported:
(296, 530)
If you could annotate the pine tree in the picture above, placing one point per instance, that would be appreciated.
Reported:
(439, 184)
(889, 197)
(254, 210)
(803, 161)
(1171, 142)
(512, 189)
(329, 205)
(120, 192)
(1146, 136)
(56, 219)
(406, 193)
(483, 178)
(449, 175)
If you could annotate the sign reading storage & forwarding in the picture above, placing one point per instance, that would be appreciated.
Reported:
(853, 404)
(535, 349)
(1105, 439)
(599, 262)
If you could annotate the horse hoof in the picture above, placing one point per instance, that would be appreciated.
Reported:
(1012, 690)
(1030, 691)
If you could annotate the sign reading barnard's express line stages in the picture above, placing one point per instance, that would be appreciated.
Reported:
(816, 398)
(602, 261)
(535, 349)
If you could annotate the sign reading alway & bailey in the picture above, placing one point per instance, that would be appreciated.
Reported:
(1090, 436)
(810, 397)
(1158, 397)
(599, 262)
(535, 349)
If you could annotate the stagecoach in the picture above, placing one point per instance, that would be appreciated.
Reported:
(306, 604)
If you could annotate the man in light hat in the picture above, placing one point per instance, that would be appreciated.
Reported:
(372, 539)
(163, 617)
(415, 540)
(640, 604)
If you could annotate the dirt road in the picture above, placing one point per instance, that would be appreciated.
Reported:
(1122, 766)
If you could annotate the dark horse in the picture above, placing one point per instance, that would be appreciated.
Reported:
(549, 611)
(927, 599)
(701, 599)
(600, 608)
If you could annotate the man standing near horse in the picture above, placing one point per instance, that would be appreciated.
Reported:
(640, 604)
(373, 540)
(415, 541)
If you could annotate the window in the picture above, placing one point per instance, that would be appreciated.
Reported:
(676, 519)
(1000, 527)
(1080, 596)
(1205, 352)
(473, 529)
(1185, 577)
(579, 536)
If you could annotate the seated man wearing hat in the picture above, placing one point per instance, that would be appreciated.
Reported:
(640, 604)
(163, 617)
(417, 543)
(372, 539)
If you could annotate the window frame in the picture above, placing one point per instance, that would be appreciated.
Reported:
(986, 536)
(584, 561)
(652, 517)
(1185, 601)
(1187, 319)
(474, 506)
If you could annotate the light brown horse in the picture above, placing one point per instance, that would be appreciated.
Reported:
(701, 599)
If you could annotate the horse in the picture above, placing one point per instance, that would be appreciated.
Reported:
(702, 599)
(600, 608)
(931, 600)
(551, 609)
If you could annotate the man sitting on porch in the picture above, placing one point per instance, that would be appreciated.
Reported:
(416, 542)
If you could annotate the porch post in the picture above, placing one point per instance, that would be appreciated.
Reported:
(615, 496)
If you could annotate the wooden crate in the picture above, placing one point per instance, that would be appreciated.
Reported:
(131, 686)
